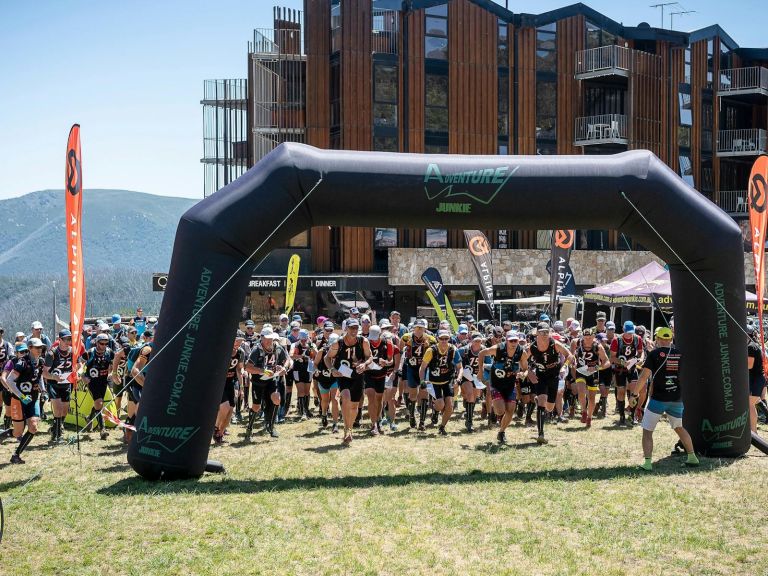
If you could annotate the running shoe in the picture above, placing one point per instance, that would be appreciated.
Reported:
(441, 431)
(413, 422)
(374, 431)
(16, 459)
(303, 418)
(529, 422)
(325, 421)
(589, 422)
(273, 433)
(434, 418)
(422, 428)
(583, 416)
(392, 427)
(541, 440)
(501, 437)
(104, 435)
(335, 428)
(470, 428)
(347, 438)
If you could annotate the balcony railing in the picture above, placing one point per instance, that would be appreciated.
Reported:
(750, 142)
(603, 129)
(386, 24)
(603, 61)
(280, 41)
(752, 80)
(733, 201)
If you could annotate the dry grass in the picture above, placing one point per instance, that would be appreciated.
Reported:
(408, 503)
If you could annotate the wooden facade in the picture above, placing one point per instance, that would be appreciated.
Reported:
(651, 99)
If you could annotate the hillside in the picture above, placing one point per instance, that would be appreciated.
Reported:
(120, 229)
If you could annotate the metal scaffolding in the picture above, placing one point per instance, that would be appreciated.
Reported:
(225, 132)
(277, 75)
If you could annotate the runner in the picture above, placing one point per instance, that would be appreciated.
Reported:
(545, 375)
(444, 364)
(661, 371)
(24, 381)
(382, 353)
(590, 357)
(626, 352)
(303, 355)
(6, 353)
(506, 358)
(98, 365)
(56, 371)
(470, 360)
(232, 379)
(756, 376)
(138, 359)
(270, 361)
(327, 385)
(416, 344)
(349, 357)
(139, 322)
(391, 382)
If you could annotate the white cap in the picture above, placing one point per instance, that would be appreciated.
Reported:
(266, 331)
(37, 325)
(512, 335)
(374, 333)
(270, 335)
(284, 317)
(575, 325)
(333, 338)
(365, 318)
(35, 343)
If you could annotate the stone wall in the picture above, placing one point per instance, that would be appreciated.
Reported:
(520, 267)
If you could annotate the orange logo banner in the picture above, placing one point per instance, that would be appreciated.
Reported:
(564, 239)
(758, 216)
(73, 184)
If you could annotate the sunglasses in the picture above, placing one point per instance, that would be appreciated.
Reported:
(66, 338)
(445, 338)
(22, 351)
(101, 343)
(353, 327)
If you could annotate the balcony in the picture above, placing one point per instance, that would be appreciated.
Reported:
(733, 201)
(385, 31)
(750, 142)
(603, 61)
(738, 81)
(604, 129)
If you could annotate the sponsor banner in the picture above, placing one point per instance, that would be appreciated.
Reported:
(159, 281)
(560, 271)
(304, 282)
(480, 250)
(291, 282)
(385, 237)
(73, 207)
(758, 216)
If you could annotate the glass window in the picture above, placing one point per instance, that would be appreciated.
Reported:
(436, 26)
(684, 136)
(436, 47)
(437, 238)
(441, 10)
(436, 119)
(503, 31)
(546, 110)
(546, 60)
(436, 89)
(385, 143)
(545, 41)
(385, 79)
(385, 115)
(385, 237)
(686, 169)
(335, 27)
(503, 120)
(436, 149)
(686, 118)
(543, 239)
(687, 72)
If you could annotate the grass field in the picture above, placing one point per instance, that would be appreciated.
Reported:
(407, 503)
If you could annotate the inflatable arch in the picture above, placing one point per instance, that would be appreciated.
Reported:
(343, 188)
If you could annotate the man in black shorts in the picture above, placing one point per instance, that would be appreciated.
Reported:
(382, 352)
(270, 362)
(56, 372)
(545, 353)
(756, 375)
(24, 380)
(443, 362)
(6, 353)
(349, 357)
(232, 384)
(471, 365)
(506, 361)
(98, 365)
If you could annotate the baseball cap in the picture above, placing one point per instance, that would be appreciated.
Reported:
(602, 336)
(295, 325)
(640, 330)
(20, 335)
(124, 341)
(558, 325)
(353, 323)
(497, 331)
(265, 331)
(99, 338)
(463, 329)
(103, 326)
(542, 326)
(21, 347)
(394, 313)
(333, 338)
(365, 318)
(36, 325)
(664, 332)
(37, 343)
(321, 320)
(374, 333)
(600, 315)
(543, 318)
(443, 334)
(249, 324)
(420, 322)
(270, 335)
(284, 317)
(629, 327)
(610, 326)
(512, 335)
(588, 332)
(354, 310)
(385, 323)
(469, 318)
(296, 317)
(116, 318)
(477, 336)
(328, 325)
(65, 334)
(575, 325)
(303, 334)
(148, 333)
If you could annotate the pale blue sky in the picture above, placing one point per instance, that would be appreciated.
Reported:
(131, 73)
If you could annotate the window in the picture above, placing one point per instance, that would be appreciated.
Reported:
(686, 118)
(546, 48)
(436, 32)
(684, 136)
(435, 148)
(436, 102)
(300, 240)
(503, 120)
(437, 238)
(546, 110)
(385, 143)
(710, 62)
(597, 37)
(686, 169)
(502, 44)
(335, 26)
(385, 237)
(687, 72)
(384, 95)
(543, 239)
(335, 92)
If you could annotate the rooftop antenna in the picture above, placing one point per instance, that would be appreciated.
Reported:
(673, 14)
(661, 5)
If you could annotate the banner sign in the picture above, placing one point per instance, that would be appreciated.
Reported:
(758, 216)
(73, 207)
(560, 271)
(291, 282)
(480, 249)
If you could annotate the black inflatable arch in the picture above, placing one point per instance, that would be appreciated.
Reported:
(184, 383)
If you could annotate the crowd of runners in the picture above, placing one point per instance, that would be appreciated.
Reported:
(375, 377)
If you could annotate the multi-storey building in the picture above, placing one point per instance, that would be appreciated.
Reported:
(471, 77)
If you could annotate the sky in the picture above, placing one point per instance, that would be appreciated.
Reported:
(131, 74)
